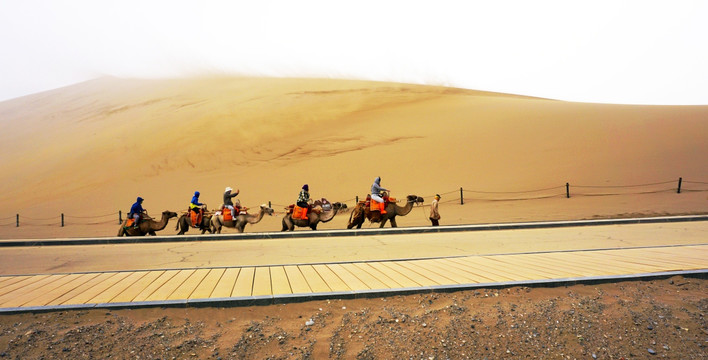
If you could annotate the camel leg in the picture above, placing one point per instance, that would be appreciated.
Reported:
(383, 221)
(152, 233)
(285, 226)
(216, 225)
(358, 226)
(121, 231)
(393, 222)
(313, 226)
(178, 226)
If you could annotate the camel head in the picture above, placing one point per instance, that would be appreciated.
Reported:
(414, 199)
(339, 206)
(267, 210)
(169, 214)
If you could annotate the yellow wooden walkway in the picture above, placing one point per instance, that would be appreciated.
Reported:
(249, 284)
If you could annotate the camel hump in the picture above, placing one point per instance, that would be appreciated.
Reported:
(323, 204)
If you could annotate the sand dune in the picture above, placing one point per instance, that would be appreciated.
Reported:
(92, 148)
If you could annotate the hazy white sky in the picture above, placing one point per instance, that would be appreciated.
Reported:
(620, 51)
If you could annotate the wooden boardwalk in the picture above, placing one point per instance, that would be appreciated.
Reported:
(276, 283)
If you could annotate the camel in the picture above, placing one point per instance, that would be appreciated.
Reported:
(315, 216)
(185, 222)
(361, 212)
(217, 221)
(147, 226)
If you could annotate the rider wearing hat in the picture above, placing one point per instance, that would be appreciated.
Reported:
(303, 197)
(227, 200)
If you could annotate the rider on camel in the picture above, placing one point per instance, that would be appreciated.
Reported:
(195, 206)
(228, 203)
(136, 211)
(303, 201)
(376, 190)
(303, 198)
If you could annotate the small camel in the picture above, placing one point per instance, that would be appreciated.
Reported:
(217, 221)
(361, 212)
(146, 226)
(314, 217)
(185, 222)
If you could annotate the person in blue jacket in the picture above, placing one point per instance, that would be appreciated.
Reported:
(136, 210)
(195, 204)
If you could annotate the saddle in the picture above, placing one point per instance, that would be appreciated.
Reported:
(298, 212)
(226, 213)
(129, 222)
(374, 205)
(196, 217)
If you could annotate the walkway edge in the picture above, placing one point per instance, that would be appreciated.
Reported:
(353, 232)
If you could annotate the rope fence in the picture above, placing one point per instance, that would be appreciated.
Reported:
(455, 196)
(61, 220)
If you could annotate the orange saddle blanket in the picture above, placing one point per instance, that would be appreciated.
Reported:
(196, 218)
(377, 206)
(298, 212)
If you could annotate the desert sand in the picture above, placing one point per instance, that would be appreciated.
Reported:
(88, 150)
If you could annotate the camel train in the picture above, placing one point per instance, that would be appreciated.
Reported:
(320, 211)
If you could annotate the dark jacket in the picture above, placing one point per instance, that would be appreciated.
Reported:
(227, 198)
(303, 196)
(137, 208)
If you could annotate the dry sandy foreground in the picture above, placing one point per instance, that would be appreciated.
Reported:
(663, 318)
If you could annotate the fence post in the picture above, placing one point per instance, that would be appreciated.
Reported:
(679, 187)
(269, 204)
(462, 198)
(567, 190)
(120, 217)
(18, 220)
(62, 219)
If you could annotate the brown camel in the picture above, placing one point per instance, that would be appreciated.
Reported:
(146, 226)
(361, 212)
(185, 222)
(322, 211)
(217, 221)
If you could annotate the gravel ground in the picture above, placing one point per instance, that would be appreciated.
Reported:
(660, 318)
